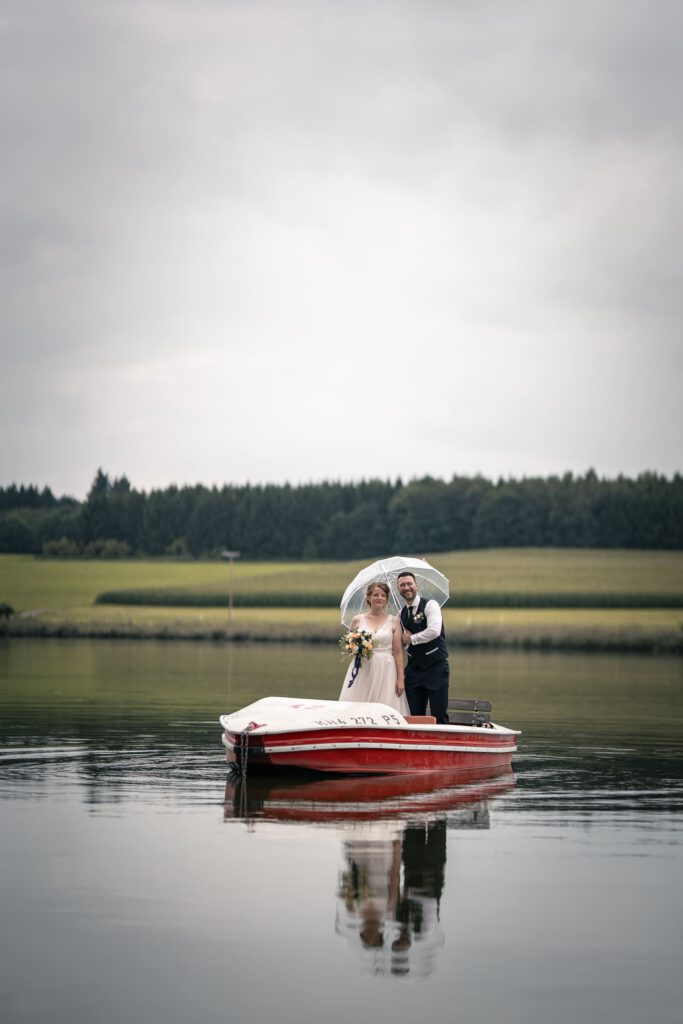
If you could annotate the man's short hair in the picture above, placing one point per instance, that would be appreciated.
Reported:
(406, 573)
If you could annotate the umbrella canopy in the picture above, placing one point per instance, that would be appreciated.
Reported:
(431, 584)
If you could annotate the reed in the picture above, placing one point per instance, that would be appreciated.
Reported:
(653, 630)
(190, 598)
(634, 637)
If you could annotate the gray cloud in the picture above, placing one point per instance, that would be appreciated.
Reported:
(241, 238)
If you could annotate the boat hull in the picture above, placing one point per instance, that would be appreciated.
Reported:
(331, 736)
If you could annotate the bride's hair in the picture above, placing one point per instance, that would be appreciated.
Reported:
(374, 586)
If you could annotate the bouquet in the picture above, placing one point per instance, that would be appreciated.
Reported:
(357, 643)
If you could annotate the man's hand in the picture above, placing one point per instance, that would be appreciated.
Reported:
(406, 637)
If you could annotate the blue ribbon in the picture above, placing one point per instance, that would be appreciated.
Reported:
(354, 672)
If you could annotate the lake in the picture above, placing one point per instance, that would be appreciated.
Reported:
(139, 882)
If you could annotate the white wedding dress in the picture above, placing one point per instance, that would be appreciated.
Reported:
(376, 679)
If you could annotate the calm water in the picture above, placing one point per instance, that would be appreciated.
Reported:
(137, 883)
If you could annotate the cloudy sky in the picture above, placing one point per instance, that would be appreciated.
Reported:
(337, 239)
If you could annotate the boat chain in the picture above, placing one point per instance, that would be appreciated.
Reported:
(241, 769)
(244, 749)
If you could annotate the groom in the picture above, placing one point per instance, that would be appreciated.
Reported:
(427, 671)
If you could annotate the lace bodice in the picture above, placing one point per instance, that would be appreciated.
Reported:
(382, 636)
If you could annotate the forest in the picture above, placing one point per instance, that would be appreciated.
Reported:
(344, 520)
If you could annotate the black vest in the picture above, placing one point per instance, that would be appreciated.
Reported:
(423, 655)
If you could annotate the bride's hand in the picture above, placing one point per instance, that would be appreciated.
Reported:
(399, 688)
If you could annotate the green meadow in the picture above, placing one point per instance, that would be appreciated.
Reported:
(58, 598)
(27, 582)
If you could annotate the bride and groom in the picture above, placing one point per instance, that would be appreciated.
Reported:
(383, 677)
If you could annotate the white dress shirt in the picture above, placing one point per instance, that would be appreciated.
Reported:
(434, 622)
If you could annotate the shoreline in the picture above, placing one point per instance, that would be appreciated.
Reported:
(542, 638)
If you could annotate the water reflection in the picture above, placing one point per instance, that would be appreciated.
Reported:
(389, 896)
(393, 851)
(113, 864)
(458, 795)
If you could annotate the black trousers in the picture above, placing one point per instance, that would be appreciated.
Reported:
(428, 685)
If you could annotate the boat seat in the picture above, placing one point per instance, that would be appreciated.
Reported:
(420, 719)
(469, 712)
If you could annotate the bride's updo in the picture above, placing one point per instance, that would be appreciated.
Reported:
(378, 584)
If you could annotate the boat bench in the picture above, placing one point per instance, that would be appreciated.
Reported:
(469, 712)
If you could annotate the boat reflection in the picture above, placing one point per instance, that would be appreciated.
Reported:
(394, 838)
(458, 795)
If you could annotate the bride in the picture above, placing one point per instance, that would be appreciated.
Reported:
(380, 678)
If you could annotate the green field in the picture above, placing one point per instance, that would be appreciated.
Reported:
(54, 597)
(30, 583)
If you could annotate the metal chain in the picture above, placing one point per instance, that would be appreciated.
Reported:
(244, 749)
(244, 753)
(244, 758)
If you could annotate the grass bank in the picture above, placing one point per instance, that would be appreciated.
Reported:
(534, 595)
(649, 630)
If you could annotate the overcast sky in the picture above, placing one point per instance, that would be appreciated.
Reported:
(303, 241)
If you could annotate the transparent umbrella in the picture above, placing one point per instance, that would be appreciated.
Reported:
(431, 584)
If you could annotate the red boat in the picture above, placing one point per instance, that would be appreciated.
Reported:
(351, 738)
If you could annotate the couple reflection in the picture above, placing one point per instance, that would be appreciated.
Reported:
(394, 829)
(389, 895)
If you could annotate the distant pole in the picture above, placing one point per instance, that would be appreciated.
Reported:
(230, 556)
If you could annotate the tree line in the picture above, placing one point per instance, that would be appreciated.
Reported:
(345, 520)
